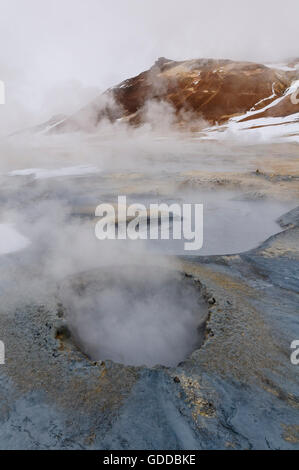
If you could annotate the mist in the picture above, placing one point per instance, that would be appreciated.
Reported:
(132, 305)
(58, 55)
(56, 58)
(120, 302)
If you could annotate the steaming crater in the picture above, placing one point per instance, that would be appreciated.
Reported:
(135, 315)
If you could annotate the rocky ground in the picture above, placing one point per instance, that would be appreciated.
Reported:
(239, 390)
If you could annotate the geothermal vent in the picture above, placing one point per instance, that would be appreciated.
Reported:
(135, 315)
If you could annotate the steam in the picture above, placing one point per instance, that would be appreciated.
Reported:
(135, 314)
(99, 45)
(134, 307)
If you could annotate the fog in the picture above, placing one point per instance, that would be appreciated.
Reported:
(137, 314)
(72, 49)
(137, 310)
(133, 307)
(55, 58)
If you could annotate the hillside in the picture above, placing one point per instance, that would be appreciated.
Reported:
(195, 91)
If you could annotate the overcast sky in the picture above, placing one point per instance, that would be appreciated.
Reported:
(74, 47)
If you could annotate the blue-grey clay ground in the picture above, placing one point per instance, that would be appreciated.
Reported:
(238, 391)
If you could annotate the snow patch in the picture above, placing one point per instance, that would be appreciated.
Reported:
(267, 128)
(262, 129)
(11, 240)
(283, 67)
(42, 173)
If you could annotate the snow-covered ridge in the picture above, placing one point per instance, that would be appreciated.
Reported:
(292, 89)
(262, 128)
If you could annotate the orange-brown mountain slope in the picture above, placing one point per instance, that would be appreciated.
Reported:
(213, 90)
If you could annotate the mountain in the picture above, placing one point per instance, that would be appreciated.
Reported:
(209, 90)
